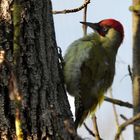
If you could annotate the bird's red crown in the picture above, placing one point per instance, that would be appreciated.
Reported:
(114, 24)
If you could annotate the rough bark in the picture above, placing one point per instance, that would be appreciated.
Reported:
(45, 111)
(136, 68)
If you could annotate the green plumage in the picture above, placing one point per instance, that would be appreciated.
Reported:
(89, 70)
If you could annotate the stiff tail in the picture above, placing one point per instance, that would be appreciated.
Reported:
(81, 111)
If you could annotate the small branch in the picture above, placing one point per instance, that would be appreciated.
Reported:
(85, 19)
(72, 10)
(126, 119)
(130, 72)
(115, 111)
(118, 102)
(96, 131)
(123, 117)
(90, 132)
(125, 124)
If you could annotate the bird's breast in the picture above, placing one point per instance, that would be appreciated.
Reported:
(96, 76)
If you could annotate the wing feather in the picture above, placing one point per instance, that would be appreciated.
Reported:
(76, 55)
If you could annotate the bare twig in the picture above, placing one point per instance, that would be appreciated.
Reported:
(118, 102)
(125, 124)
(123, 117)
(95, 126)
(130, 72)
(115, 112)
(72, 10)
(114, 109)
(85, 19)
(90, 132)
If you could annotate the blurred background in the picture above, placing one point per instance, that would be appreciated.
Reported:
(68, 29)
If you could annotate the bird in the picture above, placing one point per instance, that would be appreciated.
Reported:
(89, 67)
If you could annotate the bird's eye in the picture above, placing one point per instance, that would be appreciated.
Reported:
(105, 29)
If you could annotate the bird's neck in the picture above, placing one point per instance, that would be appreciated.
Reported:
(111, 42)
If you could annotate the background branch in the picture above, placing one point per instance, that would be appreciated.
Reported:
(123, 117)
(95, 128)
(90, 132)
(125, 124)
(118, 102)
(85, 19)
(72, 10)
(130, 72)
(115, 112)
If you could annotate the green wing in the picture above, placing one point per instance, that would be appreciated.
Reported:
(77, 53)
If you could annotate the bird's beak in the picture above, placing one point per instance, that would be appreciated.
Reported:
(94, 26)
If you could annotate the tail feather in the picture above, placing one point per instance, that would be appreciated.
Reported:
(79, 109)
(79, 120)
(81, 112)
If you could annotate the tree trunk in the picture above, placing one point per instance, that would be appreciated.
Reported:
(136, 68)
(45, 111)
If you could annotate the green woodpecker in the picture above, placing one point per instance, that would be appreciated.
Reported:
(90, 66)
